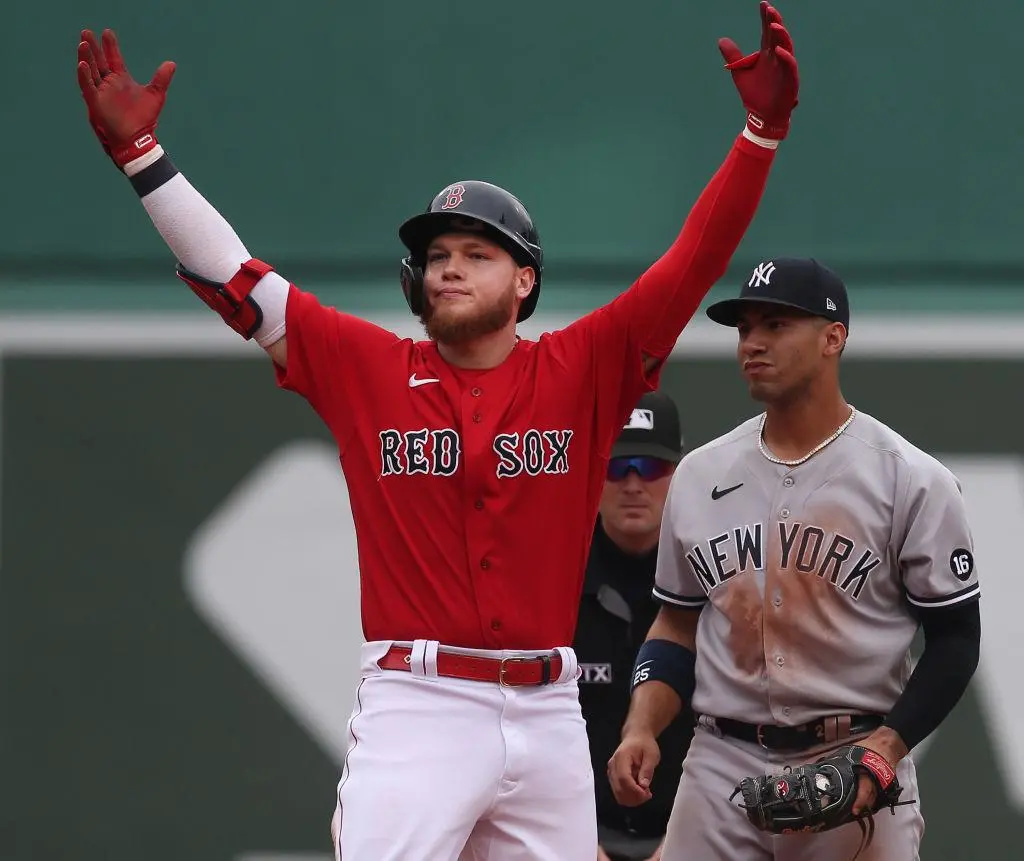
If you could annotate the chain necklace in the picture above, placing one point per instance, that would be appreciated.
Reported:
(811, 453)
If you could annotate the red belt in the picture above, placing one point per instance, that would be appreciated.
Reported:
(508, 672)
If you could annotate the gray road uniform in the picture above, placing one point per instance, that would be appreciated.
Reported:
(806, 578)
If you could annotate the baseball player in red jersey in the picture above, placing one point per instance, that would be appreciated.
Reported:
(474, 462)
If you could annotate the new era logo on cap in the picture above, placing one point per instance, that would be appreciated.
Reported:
(640, 419)
(830, 304)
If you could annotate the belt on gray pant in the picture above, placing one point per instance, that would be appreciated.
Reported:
(826, 730)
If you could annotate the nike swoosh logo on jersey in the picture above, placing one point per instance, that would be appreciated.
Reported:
(718, 494)
(414, 382)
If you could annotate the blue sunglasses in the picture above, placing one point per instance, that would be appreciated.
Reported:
(648, 468)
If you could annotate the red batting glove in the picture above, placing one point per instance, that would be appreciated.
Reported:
(767, 80)
(122, 113)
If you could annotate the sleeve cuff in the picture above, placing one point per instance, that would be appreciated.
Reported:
(764, 143)
(965, 594)
(693, 602)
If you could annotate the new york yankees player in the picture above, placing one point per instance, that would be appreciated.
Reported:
(474, 462)
(799, 555)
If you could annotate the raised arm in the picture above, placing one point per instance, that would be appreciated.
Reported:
(670, 291)
(214, 262)
(628, 340)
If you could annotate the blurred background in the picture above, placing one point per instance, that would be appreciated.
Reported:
(178, 589)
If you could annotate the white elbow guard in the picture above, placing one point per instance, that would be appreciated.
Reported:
(252, 302)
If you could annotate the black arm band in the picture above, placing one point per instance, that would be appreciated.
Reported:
(149, 179)
(952, 641)
(668, 662)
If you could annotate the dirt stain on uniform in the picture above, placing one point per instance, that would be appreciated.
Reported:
(808, 623)
(807, 609)
(742, 605)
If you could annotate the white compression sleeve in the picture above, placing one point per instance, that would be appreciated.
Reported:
(203, 241)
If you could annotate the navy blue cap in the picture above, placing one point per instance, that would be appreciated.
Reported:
(798, 283)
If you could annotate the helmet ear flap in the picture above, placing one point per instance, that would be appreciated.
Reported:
(412, 285)
(530, 302)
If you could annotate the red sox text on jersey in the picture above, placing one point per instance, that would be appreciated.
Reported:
(436, 452)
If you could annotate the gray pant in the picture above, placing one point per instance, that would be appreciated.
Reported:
(705, 825)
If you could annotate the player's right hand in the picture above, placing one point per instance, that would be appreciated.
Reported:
(631, 768)
(123, 114)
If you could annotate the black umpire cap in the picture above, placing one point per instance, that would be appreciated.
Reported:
(652, 430)
(792, 282)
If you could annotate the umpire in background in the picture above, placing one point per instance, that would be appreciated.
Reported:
(616, 611)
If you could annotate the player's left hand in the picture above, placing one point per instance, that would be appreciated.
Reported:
(821, 794)
(866, 794)
(887, 744)
(767, 80)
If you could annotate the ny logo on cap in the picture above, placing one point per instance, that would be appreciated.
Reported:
(762, 274)
(640, 420)
(830, 304)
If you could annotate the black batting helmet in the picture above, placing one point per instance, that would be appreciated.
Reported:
(471, 206)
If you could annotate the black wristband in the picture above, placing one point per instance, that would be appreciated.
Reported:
(149, 179)
(668, 662)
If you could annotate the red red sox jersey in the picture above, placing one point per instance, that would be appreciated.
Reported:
(474, 493)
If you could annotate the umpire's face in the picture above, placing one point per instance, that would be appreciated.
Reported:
(633, 500)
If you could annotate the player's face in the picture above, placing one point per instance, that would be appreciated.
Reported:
(472, 287)
(782, 352)
(631, 506)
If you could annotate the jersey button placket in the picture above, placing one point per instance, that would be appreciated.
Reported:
(478, 535)
(787, 483)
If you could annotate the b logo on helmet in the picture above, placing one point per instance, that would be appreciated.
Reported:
(454, 196)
